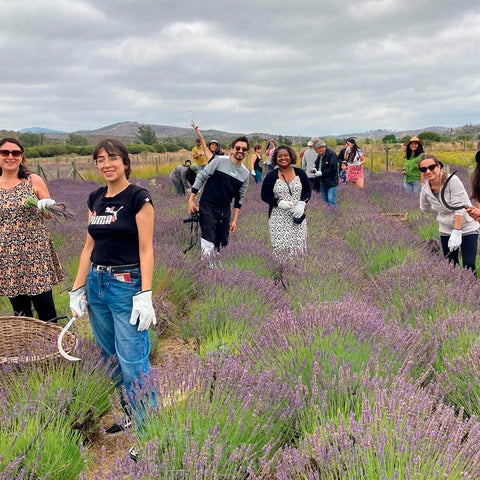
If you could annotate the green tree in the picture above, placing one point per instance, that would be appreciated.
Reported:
(146, 135)
(29, 139)
(75, 139)
(430, 136)
(390, 138)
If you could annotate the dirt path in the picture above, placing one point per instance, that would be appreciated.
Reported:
(105, 448)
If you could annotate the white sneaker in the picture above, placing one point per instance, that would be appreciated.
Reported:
(134, 452)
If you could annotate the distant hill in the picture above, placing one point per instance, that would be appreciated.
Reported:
(380, 133)
(39, 130)
(127, 132)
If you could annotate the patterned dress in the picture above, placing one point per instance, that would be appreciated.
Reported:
(287, 237)
(28, 262)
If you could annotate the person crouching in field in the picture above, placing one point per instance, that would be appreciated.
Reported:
(224, 179)
(115, 274)
(457, 229)
(183, 176)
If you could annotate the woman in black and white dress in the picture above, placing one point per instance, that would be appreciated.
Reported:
(287, 190)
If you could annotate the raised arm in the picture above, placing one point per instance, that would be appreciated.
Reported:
(208, 153)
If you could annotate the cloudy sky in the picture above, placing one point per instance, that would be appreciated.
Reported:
(309, 67)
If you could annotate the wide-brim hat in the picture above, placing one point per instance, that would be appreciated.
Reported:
(414, 139)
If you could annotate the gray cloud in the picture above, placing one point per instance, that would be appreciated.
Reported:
(309, 67)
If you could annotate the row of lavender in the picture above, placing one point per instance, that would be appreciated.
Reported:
(357, 361)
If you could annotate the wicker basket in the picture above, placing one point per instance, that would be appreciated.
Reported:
(28, 340)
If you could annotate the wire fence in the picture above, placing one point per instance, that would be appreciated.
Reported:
(78, 167)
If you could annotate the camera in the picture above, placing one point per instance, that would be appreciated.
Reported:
(193, 217)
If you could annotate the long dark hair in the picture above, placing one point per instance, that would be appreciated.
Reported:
(353, 151)
(23, 170)
(476, 178)
(409, 152)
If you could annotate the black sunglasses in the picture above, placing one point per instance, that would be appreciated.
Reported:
(431, 167)
(243, 149)
(15, 153)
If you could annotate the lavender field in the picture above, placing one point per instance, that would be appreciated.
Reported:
(360, 360)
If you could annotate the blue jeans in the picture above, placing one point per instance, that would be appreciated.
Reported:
(109, 308)
(329, 194)
(412, 187)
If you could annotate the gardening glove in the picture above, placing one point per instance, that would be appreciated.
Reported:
(78, 304)
(455, 239)
(315, 172)
(143, 310)
(284, 205)
(44, 203)
(299, 209)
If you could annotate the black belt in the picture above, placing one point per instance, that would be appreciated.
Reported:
(114, 268)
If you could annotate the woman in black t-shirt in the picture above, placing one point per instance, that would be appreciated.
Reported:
(115, 271)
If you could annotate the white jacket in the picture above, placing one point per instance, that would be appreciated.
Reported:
(455, 195)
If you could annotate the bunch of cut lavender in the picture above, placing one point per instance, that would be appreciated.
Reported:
(59, 210)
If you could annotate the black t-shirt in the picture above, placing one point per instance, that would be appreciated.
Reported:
(113, 226)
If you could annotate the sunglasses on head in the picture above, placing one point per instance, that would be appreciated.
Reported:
(15, 153)
(243, 149)
(431, 167)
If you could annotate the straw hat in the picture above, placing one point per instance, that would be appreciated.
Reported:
(414, 139)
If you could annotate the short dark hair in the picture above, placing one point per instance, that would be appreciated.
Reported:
(23, 170)
(114, 147)
(291, 154)
(243, 138)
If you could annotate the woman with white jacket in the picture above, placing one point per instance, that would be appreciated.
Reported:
(457, 229)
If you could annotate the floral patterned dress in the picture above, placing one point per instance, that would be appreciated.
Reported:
(28, 262)
(287, 237)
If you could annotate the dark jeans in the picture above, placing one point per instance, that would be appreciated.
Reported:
(314, 184)
(43, 303)
(468, 249)
(215, 225)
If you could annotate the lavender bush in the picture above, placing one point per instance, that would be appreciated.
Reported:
(357, 360)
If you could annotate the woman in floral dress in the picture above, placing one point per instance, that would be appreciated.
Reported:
(29, 265)
(287, 190)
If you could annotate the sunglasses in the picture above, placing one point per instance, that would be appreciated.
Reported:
(15, 153)
(243, 149)
(431, 167)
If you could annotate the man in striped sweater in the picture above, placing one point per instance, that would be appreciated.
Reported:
(224, 179)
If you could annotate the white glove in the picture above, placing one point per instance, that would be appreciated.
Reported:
(299, 209)
(78, 304)
(318, 173)
(44, 203)
(252, 172)
(143, 311)
(455, 239)
(284, 205)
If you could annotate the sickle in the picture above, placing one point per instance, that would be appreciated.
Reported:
(442, 194)
(60, 338)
